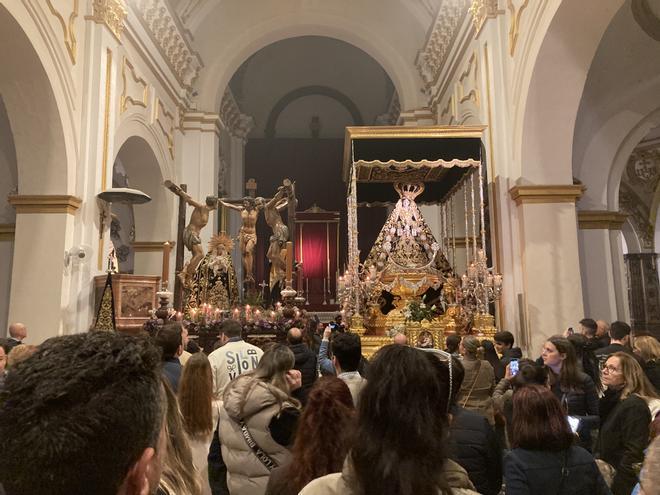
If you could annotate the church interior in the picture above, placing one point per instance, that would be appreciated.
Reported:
(103, 102)
(356, 247)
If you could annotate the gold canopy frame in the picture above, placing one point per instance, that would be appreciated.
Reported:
(376, 157)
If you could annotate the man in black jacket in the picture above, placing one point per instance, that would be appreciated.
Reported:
(473, 443)
(619, 342)
(504, 345)
(305, 363)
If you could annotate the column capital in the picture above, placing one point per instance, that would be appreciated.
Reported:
(562, 193)
(201, 122)
(7, 231)
(44, 203)
(600, 219)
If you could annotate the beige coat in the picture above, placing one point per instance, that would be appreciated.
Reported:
(246, 475)
(477, 388)
(342, 484)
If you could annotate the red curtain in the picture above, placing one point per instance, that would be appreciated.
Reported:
(314, 253)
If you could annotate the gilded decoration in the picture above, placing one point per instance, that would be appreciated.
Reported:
(111, 13)
(638, 192)
(125, 99)
(481, 11)
(167, 33)
(166, 123)
(515, 12)
(468, 82)
(68, 28)
(214, 281)
(432, 57)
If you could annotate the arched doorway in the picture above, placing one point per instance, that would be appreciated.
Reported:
(38, 114)
(139, 231)
(8, 185)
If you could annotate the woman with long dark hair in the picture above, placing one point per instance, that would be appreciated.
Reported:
(575, 389)
(400, 444)
(321, 444)
(543, 459)
(257, 421)
(200, 410)
(625, 419)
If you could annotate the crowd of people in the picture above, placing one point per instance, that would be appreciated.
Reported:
(108, 413)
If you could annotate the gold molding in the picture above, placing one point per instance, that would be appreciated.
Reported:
(44, 203)
(125, 99)
(546, 194)
(465, 242)
(149, 246)
(7, 231)
(449, 109)
(106, 119)
(168, 134)
(481, 11)
(514, 30)
(473, 94)
(600, 219)
(68, 28)
(110, 13)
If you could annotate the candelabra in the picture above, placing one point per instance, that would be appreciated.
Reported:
(480, 286)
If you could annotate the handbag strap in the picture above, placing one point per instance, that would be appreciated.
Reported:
(265, 459)
(474, 382)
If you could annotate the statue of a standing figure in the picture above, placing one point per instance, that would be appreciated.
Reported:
(191, 234)
(276, 250)
(247, 235)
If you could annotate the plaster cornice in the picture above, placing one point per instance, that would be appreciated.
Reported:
(546, 193)
(44, 203)
(601, 219)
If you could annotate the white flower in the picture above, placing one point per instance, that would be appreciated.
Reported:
(422, 305)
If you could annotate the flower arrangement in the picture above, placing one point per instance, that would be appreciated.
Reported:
(418, 311)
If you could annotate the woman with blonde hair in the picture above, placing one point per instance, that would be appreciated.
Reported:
(624, 419)
(179, 475)
(257, 421)
(200, 410)
(647, 348)
(479, 382)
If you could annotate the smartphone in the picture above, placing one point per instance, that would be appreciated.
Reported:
(574, 423)
(513, 367)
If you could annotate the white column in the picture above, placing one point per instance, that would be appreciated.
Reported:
(549, 259)
(199, 161)
(40, 288)
(602, 265)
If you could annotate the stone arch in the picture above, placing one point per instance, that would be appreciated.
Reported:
(141, 158)
(298, 93)
(37, 106)
(218, 73)
(552, 87)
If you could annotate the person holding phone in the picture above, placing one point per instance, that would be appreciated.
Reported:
(544, 459)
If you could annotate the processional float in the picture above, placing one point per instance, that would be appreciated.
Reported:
(409, 280)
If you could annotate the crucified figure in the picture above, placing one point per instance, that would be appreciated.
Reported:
(198, 220)
(276, 253)
(247, 235)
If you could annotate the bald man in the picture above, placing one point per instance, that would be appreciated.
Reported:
(400, 339)
(305, 362)
(17, 333)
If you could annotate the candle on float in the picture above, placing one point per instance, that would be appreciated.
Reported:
(272, 316)
(193, 314)
(165, 275)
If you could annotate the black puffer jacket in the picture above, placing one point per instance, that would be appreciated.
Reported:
(473, 444)
(306, 364)
(623, 436)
